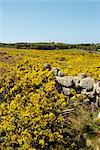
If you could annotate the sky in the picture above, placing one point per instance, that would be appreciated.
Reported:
(68, 21)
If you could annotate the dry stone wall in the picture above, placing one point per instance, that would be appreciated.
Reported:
(81, 84)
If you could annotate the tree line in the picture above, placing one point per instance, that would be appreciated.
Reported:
(51, 46)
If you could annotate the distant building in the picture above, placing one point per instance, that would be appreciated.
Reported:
(51, 42)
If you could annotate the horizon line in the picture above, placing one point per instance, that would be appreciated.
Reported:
(48, 42)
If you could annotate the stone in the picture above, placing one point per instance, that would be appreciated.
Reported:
(86, 101)
(76, 81)
(87, 83)
(82, 75)
(66, 91)
(98, 117)
(66, 81)
(47, 66)
(60, 74)
(97, 100)
(91, 94)
(83, 92)
(97, 87)
(55, 71)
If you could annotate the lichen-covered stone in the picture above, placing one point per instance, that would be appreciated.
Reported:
(83, 92)
(87, 83)
(60, 74)
(82, 75)
(66, 81)
(66, 91)
(91, 94)
(97, 87)
(55, 71)
(76, 81)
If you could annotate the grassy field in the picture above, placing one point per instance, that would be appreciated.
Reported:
(29, 103)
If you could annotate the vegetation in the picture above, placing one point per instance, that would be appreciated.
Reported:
(31, 109)
(52, 46)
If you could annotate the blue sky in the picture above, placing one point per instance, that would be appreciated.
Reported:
(70, 21)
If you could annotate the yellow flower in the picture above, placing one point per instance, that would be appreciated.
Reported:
(41, 141)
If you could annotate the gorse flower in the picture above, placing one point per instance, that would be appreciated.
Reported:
(30, 106)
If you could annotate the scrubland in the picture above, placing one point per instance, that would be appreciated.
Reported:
(31, 108)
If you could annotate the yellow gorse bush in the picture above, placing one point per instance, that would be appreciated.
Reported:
(30, 106)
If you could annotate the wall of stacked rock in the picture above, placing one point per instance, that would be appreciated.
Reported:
(81, 85)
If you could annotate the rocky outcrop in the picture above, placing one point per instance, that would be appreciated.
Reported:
(81, 84)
